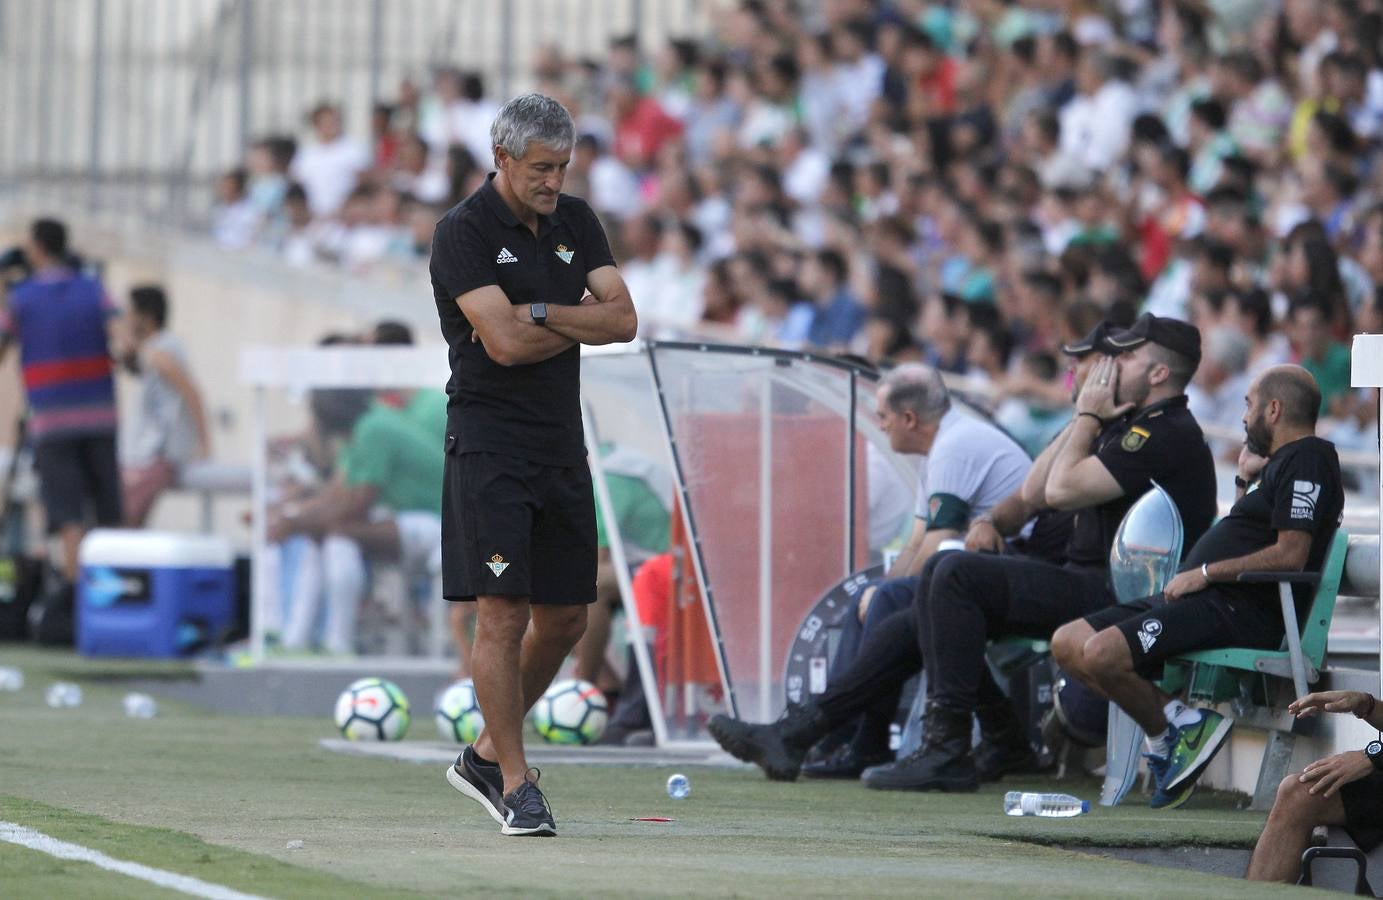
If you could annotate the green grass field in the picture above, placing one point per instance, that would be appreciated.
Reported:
(219, 798)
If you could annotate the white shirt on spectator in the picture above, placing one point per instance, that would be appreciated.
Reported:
(328, 172)
(857, 86)
(805, 177)
(641, 278)
(429, 186)
(614, 187)
(470, 127)
(237, 224)
(676, 299)
(972, 461)
(1095, 129)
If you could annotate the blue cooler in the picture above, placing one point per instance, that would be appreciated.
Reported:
(152, 593)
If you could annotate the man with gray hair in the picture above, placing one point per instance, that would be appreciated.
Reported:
(522, 274)
(1216, 393)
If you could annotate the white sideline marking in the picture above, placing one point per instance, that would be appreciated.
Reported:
(37, 840)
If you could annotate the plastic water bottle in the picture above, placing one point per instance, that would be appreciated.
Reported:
(1054, 806)
(140, 706)
(678, 787)
(11, 679)
(64, 693)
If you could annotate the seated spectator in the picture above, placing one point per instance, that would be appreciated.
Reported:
(1320, 354)
(838, 316)
(268, 162)
(235, 219)
(170, 430)
(329, 167)
(1344, 789)
(1216, 395)
(384, 503)
(1288, 506)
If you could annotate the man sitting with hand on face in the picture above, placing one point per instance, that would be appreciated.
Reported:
(1284, 519)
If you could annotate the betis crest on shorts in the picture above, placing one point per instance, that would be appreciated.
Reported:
(497, 565)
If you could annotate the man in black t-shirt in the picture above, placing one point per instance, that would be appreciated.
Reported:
(1289, 504)
(522, 274)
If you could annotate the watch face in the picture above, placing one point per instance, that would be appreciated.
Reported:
(1374, 748)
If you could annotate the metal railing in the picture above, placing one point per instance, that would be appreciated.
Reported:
(133, 106)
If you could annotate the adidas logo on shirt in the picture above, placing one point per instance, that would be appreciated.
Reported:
(505, 256)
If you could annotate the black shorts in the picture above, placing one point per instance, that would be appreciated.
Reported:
(1363, 802)
(79, 480)
(1157, 630)
(512, 527)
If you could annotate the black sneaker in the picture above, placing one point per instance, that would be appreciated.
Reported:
(845, 762)
(529, 814)
(481, 782)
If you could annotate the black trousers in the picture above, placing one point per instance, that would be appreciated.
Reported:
(889, 654)
(976, 597)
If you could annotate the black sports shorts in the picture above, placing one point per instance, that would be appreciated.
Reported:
(517, 528)
(79, 480)
(1363, 802)
(1156, 630)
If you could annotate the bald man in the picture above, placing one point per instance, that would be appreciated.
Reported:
(1287, 509)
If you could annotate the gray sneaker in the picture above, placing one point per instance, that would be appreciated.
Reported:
(529, 814)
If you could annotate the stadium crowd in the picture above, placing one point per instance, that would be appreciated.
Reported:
(965, 184)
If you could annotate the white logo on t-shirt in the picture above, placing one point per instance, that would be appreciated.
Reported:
(1304, 496)
(505, 256)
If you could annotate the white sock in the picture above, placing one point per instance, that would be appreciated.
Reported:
(1160, 746)
(1179, 714)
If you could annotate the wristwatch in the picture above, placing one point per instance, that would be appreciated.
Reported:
(539, 311)
(1374, 751)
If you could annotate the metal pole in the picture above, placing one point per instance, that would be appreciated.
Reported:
(506, 40)
(45, 98)
(259, 527)
(652, 690)
(376, 48)
(94, 147)
(850, 479)
(246, 71)
(765, 549)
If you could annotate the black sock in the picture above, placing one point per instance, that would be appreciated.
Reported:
(480, 760)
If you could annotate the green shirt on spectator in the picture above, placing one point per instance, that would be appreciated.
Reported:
(429, 409)
(400, 459)
(1331, 373)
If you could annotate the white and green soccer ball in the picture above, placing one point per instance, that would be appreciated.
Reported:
(373, 709)
(571, 712)
(457, 712)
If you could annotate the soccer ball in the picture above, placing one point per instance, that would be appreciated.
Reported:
(458, 713)
(372, 709)
(571, 712)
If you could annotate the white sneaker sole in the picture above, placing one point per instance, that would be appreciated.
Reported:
(544, 830)
(1213, 745)
(455, 780)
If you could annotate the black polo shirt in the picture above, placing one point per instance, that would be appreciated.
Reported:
(532, 411)
(1161, 443)
(1300, 489)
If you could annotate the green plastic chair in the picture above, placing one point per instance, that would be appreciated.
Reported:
(1214, 676)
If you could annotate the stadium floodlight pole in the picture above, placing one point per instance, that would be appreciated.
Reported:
(652, 690)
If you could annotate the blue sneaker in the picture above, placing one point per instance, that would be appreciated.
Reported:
(1162, 798)
(1195, 746)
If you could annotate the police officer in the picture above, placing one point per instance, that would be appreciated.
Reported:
(512, 266)
(1131, 428)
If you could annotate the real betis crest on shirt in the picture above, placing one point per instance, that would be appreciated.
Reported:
(564, 254)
